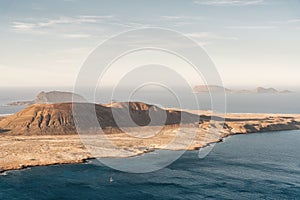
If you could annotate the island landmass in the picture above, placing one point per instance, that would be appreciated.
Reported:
(50, 97)
(45, 134)
(219, 89)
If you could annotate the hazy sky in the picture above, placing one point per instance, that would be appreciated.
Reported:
(252, 42)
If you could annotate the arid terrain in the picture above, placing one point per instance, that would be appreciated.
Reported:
(45, 134)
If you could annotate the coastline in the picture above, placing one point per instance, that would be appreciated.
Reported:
(21, 151)
(89, 157)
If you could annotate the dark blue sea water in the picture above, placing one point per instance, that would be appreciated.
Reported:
(255, 166)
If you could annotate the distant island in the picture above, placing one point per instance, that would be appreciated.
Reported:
(45, 133)
(63, 97)
(218, 89)
(50, 97)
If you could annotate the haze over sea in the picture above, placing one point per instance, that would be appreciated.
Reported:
(236, 103)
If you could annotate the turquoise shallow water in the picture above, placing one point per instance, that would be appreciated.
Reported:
(255, 166)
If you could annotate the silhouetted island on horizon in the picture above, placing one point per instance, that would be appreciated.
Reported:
(219, 89)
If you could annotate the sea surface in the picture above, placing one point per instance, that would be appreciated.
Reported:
(254, 166)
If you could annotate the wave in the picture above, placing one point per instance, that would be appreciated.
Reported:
(4, 105)
(3, 174)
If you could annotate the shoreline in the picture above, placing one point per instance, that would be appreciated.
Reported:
(25, 142)
(88, 159)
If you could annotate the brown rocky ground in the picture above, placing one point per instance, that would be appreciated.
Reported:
(46, 134)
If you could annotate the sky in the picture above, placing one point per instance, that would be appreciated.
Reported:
(251, 42)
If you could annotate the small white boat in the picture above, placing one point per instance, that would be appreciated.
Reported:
(111, 179)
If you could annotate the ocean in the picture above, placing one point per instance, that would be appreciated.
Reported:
(253, 166)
